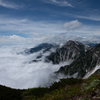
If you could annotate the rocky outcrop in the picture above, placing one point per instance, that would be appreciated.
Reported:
(84, 64)
(70, 51)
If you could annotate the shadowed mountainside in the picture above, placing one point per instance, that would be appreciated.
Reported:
(84, 64)
(70, 51)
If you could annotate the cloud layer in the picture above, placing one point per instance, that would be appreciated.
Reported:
(17, 72)
(13, 40)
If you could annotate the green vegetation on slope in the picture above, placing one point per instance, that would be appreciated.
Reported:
(9, 94)
(88, 89)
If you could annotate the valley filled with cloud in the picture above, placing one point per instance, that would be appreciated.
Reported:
(17, 72)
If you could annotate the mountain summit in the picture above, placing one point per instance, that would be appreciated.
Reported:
(85, 65)
(70, 51)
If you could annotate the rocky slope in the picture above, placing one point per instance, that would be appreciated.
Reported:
(70, 51)
(85, 65)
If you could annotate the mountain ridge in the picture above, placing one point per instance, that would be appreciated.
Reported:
(39, 48)
(84, 64)
(69, 51)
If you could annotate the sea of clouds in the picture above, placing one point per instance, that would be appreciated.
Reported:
(17, 72)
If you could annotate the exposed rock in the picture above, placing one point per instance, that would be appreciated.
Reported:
(84, 64)
(70, 51)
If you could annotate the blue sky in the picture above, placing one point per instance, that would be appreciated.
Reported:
(41, 19)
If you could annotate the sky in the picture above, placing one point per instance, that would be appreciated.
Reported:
(33, 21)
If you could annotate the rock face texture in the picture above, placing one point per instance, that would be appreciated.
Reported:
(70, 51)
(84, 64)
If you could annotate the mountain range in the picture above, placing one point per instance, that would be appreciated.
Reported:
(85, 68)
(85, 58)
(85, 65)
(69, 51)
(43, 46)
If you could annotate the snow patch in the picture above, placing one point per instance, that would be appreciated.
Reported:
(91, 72)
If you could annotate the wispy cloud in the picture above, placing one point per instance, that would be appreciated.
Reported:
(82, 15)
(59, 3)
(72, 25)
(91, 17)
(11, 5)
(30, 26)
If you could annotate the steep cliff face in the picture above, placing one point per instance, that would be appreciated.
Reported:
(84, 65)
(70, 51)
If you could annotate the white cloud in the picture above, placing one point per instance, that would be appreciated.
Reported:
(40, 31)
(16, 72)
(72, 25)
(59, 3)
(9, 4)
(13, 40)
(33, 41)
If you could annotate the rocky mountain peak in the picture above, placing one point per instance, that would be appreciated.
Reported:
(85, 65)
(70, 51)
